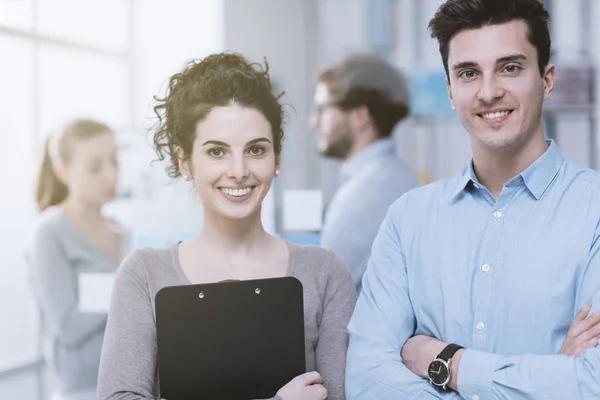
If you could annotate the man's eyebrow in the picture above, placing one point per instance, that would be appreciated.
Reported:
(501, 60)
(464, 64)
(512, 57)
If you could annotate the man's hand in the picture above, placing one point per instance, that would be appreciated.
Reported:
(419, 351)
(583, 333)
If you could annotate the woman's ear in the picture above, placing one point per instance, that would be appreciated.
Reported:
(61, 173)
(184, 164)
(277, 164)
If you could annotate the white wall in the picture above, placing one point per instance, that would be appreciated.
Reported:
(168, 34)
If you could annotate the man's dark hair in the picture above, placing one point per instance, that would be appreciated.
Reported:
(384, 113)
(365, 80)
(455, 16)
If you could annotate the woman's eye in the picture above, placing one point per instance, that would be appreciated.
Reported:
(256, 151)
(215, 152)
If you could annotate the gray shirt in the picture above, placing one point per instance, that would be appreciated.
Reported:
(128, 369)
(72, 340)
(371, 181)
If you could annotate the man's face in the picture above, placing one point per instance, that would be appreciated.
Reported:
(495, 85)
(332, 124)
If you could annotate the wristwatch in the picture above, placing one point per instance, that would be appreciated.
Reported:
(439, 369)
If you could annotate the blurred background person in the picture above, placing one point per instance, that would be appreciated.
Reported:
(77, 177)
(357, 104)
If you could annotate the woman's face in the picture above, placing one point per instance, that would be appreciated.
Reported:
(92, 171)
(233, 161)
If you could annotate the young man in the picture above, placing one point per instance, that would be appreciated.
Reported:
(358, 102)
(473, 282)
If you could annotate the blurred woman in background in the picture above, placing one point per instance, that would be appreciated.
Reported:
(77, 177)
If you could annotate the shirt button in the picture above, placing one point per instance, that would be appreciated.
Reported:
(480, 326)
(475, 397)
(497, 214)
(485, 268)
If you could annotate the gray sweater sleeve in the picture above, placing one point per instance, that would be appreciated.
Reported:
(338, 304)
(55, 285)
(128, 362)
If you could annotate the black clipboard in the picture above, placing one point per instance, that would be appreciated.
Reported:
(237, 340)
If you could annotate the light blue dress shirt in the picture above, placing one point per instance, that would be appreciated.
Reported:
(504, 278)
(372, 180)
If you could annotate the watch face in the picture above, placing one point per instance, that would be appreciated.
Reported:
(438, 372)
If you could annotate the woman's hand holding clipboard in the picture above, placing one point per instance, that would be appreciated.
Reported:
(308, 386)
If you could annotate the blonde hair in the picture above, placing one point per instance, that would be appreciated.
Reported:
(50, 190)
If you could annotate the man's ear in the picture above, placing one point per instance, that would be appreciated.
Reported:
(360, 117)
(549, 80)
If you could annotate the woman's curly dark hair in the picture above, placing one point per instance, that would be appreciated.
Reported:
(217, 80)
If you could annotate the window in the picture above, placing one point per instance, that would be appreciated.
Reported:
(16, 14)
(95, 24)
(66, 59)
(17, 337)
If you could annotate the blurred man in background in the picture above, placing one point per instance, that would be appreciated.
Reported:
(357, 104)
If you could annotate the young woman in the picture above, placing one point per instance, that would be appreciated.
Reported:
(77, 177)
(222, 128)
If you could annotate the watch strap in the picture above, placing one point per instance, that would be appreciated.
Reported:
(449, 351)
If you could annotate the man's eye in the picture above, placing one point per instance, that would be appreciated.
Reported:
(467, 74)
(511, 69)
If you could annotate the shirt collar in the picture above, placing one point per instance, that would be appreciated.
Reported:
(379, 148)
(537, 177)
(466, 176)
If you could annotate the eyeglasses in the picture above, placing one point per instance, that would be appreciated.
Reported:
(319, 109)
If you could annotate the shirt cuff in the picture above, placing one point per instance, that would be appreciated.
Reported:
(475, 371)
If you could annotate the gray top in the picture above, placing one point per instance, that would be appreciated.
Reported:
(72, 340)
(128, 367)
(371, 181)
